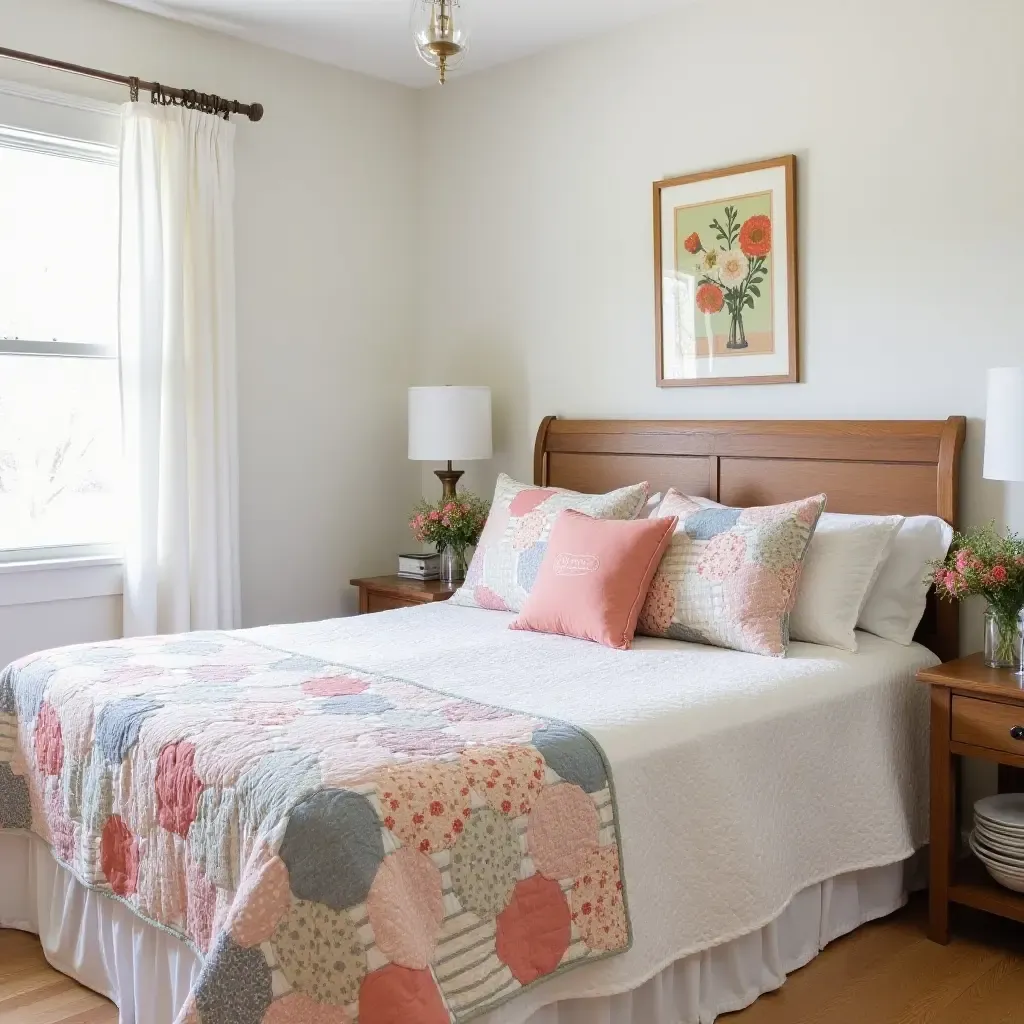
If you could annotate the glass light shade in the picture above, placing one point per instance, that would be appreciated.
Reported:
(440, 30)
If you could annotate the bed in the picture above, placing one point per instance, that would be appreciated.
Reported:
(764, 807)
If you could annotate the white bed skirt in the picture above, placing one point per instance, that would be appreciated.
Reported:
(148, 973)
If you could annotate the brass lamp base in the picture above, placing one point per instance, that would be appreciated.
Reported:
(449, 480)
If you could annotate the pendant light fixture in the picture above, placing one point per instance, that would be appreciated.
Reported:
(441, 33)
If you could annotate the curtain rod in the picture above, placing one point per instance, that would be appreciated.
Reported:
(161, 94)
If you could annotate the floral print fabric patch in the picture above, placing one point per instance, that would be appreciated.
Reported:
(729, 577)
(338, 845)
(515, 538)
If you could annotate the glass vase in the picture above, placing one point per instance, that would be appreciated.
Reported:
(1002, 639)
(453, 564)
(737, 335)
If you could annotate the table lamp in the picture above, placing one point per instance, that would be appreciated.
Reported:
(1004, 424)
(449, 424)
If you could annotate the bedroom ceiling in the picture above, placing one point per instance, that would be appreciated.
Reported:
(373, 36)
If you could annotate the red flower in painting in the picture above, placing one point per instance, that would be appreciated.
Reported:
(710, 298)
(692, 244)
(756, 236)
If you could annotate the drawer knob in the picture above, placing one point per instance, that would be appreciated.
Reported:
(1017, 732)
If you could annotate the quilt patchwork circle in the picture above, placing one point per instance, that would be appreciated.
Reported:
(298, 1008)
(399, 995)
(235, 984)
(406, 908)
(572, 756)
(333, 848)
(177, 787)
(320, 952)
(533, 931)
(485, 863)
(49, 742)
(562, 830)
(427, 805)
(509, 779)
(263, 898)
(119, 856)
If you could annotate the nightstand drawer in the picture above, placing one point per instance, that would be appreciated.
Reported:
(987, 723)
(382, 593)
(385, 602)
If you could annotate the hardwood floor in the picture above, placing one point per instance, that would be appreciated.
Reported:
(885, 973)
(32, 992)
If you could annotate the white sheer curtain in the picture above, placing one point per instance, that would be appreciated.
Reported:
(177, 347)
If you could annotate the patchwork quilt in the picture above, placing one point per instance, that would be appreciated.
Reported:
(337, 845)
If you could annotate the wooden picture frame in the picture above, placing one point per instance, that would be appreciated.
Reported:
(725, 276)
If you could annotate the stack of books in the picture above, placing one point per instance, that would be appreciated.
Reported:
(420, 566)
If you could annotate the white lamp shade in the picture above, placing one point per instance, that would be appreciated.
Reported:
(450, 424)
(1004, 424)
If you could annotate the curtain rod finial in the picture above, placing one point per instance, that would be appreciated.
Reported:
(256, 112)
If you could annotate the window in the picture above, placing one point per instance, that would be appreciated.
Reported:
(60, 438)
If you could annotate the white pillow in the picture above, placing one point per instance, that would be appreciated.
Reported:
(841, 564)
(647, 512)
(896, 601)
(845, 557)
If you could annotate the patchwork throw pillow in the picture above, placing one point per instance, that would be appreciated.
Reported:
(729, 577)
(512, 546)
(594, 578)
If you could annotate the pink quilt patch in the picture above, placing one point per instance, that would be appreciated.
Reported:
(563, 830)
(119, 856)
(597, 908)
(49, 741)
(426, 806)
(297, 1008)
(406, 908)
(177, 787)
(534, 929)
(508, 778)
(262, 900)
(334, 686)
(398, 995)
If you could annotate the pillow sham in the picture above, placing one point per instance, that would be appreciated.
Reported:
(729, 576)
(843, 560)
(514, 539)
(840, 572)
(594, 578)
(896, 601)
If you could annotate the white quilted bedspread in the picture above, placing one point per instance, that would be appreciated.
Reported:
(740, 779)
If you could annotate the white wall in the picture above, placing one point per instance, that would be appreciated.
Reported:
(324, 213)
(528, 188)
(905, 116)
(36, 627)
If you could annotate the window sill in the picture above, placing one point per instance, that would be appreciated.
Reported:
(60, 579)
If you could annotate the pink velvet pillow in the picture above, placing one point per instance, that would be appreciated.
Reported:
(594, 577)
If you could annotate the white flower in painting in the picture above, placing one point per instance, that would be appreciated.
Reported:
(732, 268)
(709, 262)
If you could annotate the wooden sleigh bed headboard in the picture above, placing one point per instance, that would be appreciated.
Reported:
(866, 467)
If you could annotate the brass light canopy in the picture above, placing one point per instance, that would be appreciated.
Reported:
(440, 31)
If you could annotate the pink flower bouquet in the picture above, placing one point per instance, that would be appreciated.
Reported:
(984, 563)
(452, 523)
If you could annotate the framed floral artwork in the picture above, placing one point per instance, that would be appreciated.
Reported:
(726, 276)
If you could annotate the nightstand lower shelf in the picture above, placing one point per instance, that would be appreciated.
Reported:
(972, 886)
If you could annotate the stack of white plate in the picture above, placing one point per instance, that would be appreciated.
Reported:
(998, 838)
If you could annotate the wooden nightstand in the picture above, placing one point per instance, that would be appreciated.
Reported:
(976, 712)
(381, 593)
